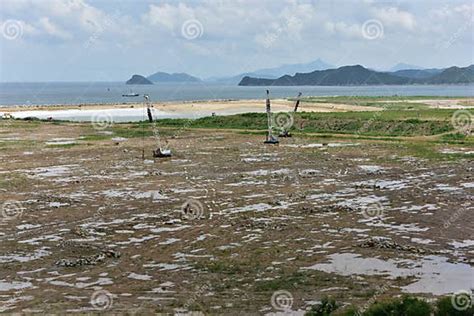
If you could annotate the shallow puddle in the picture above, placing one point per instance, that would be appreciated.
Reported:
(434, 274)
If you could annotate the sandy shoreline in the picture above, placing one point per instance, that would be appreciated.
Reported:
(135, 111)
(196, 109)
(217, 105)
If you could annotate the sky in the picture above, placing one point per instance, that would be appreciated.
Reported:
(109, 40)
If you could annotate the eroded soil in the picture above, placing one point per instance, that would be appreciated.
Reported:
(225, 222)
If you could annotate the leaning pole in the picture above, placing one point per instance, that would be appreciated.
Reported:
(270, 138)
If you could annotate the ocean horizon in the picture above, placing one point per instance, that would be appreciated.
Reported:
(70, 93)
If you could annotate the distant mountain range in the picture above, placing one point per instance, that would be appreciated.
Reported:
(417, 73)
(403, 66)
(318, 72)
(137, 79)
(275, 72)
(358, 75)
(163, 77)
(175, 77)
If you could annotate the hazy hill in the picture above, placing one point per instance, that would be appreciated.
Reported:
(417, 73)
(137, 79)
(454, 75)
(403, 66)
(276, 72)
(358, 75)
(343, 76)
(175, 77)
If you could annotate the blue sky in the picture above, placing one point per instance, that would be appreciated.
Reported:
(105, 40)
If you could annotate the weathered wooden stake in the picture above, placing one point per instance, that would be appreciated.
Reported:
(270, 138)
(297, 102)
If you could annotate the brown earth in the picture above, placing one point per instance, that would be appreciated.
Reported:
(219, 227)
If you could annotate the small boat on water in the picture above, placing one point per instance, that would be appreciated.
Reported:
(130, 94)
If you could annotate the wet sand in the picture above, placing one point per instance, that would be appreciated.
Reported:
(133, 112)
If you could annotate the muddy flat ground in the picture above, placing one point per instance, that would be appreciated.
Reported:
(226, 222)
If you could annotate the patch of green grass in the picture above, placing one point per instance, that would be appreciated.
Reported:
(223, 267)
(285, 282)
(406, 306)
(345, 99)
(454, 138)
(400, 104)
(24, 144)
(325, 308)
(382, 123)
(132, 131)
(62, 145)
(12, 181)
(445, 307)
(95, 137)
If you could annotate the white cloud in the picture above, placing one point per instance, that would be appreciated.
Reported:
(350, 31)
(60, 18)
(168, 15)
(395, 17)
(52, 29)
(245, 34)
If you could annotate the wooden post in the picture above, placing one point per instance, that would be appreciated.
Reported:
(148, 108)
(270, 138)
(150, 116)
(269, 117)
(297, 102)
